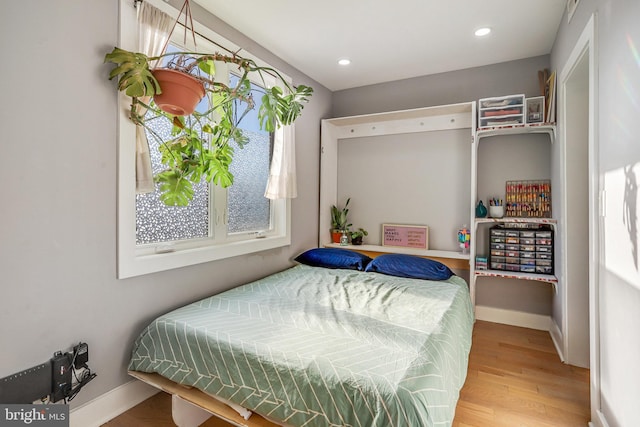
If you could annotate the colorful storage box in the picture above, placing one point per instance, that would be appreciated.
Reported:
(527, 250)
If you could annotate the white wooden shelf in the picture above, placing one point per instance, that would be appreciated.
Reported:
(513, 220)
(452, 259)
(396, 250)
(518, 275)
(518, 129)
(545, 278)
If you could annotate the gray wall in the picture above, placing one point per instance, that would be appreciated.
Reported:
(431, 168)
(524, 157)
(506, 78)
(618, 304)
(58, 216)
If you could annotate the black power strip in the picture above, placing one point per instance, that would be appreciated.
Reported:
(26, 386)
(60, 378)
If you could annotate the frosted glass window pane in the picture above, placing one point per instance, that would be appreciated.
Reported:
(157, 222)
(248, 209)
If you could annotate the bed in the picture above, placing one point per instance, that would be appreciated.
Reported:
(319, 344)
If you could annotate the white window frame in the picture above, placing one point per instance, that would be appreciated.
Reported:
(134, 260)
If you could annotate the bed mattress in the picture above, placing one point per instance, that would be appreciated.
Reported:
(314, 346)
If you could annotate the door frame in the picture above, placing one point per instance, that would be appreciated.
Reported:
(586, 45)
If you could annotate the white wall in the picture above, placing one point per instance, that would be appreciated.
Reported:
(618, 304)
(58, 198)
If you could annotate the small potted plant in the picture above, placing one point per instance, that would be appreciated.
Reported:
(357, 236)
(339, 225)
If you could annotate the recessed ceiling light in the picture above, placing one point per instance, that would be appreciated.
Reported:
(480, 32)
(344, 61)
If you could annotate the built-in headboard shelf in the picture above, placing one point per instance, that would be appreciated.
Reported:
(451, 259)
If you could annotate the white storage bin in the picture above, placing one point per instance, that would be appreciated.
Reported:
(501, 111)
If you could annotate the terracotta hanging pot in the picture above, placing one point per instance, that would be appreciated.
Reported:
(181, 92)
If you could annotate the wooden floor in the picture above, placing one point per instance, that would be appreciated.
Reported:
(515, 378)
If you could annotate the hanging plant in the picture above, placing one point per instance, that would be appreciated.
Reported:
(200, 146)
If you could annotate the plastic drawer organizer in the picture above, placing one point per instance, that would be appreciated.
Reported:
(501, 111)
(528, 250)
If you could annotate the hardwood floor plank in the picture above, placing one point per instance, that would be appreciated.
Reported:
(541, 390)
(515, 378)
(511, 381)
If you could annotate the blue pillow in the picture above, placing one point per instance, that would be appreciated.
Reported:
(334, 258)
(409, 266)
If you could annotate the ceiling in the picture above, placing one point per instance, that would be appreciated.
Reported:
(392, 40)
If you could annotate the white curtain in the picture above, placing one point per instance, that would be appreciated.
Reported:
(154, 29)
(282, 175)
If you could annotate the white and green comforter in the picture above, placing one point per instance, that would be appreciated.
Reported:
(319, 347)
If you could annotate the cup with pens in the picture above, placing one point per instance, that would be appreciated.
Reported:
(496, 208)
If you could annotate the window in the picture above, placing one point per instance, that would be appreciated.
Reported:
(245, 208)
(218, 223)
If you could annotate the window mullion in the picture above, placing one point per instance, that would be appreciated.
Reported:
(219, 213)
(219, 194)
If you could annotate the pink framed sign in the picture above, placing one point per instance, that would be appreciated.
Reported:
(405, 236)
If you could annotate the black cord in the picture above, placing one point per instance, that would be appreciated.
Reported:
(87, 376)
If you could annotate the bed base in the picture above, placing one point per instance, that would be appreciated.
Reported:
(191, 407)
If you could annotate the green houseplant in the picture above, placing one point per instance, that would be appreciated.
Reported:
(201, 146)
(357, 236)
(339, 221)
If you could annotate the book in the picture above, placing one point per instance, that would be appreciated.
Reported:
(550, 99)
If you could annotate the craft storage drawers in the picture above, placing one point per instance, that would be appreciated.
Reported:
(501, 111)
(527, 250)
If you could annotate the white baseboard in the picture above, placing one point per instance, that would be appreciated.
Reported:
(601, 420)
(558, 339)
(514, 318)
(111, 404)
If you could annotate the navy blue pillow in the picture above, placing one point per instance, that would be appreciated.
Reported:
(409, 266)
(334, 258)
